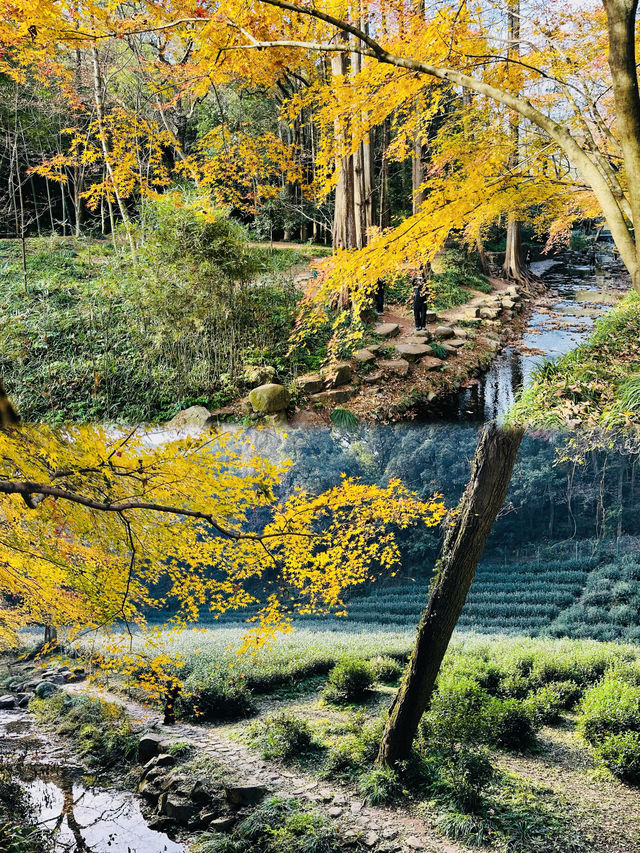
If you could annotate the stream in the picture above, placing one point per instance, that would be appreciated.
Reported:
(83, 817)
(559, 322)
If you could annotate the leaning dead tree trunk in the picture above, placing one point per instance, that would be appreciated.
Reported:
(8, 415)
(492, 467)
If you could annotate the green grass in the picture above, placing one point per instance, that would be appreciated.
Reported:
(96, 338)
(597, 384)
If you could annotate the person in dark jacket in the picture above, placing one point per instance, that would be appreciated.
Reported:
(419, 283)
(379, 295)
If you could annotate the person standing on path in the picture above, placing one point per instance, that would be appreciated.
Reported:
(419, 283)
(379, 295)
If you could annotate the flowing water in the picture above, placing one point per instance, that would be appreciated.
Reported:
(83, 817)
(559, 322)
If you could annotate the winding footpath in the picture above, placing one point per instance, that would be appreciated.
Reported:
(381, 830)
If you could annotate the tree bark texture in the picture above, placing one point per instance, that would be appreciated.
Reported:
(8, 415)
(470, 527)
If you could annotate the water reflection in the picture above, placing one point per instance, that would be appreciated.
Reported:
(576, 297)
(80, 817)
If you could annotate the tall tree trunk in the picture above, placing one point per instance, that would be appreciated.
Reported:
(621, 20)
(417, 165)
(492, 467)
(344, 223)
(513, 267)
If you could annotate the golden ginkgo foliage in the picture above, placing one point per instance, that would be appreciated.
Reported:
(99, 529)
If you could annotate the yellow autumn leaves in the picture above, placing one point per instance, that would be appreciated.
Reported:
(123, 526)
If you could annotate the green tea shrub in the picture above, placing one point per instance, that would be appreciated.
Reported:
(350, 680)
(509, 724)
(219, 699)
(282, 737)
(457, 713)
(620, 753)
(386, 669)
(546, 703)
(464, 775)
(611, 707)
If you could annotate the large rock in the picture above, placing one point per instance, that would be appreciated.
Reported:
(245, 795)
(148, 747)
(456, 342)
(46, 689)
(259, 374)
(432, 363)
(431, 317)
(508, 304)
(269, 398)
(386, 330)
(412, 352)
(221, 824)
(489, 313)
(337, 374)
(179, 810)
(332, 398)
(364, 356)
(444, 332)
(189, 420)
(310, 383)
(374, 378)
(7, 703)
(396, 366)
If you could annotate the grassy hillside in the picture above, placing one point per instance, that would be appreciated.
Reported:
(95, 337)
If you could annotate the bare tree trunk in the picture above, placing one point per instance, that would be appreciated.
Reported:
(493, 464)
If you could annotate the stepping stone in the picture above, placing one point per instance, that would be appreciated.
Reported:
(330, 398)
(374, 378)
(370, 839)
(488, 313)
(386, 330)
(432, 317)
(374, 348)
(412, 352)
(356, 806)
(456, 342)
(397, 366)
(432, 363)
(414, 843)
(460, 333)
(310, 383)
(335, 812)
(444, 332)
(337, 374)
(364, 356)
(450, 349)
(508, 304)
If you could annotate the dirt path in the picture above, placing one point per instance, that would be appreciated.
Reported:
(611, 810)
(380, 829)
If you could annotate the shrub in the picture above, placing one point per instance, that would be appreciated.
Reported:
(381, 785)
(457, 713)
(386, 669)
(102, 730)
(350, 680)
(355, 752)
(509, 724)
(611, 707)
(283, 825)
(545, 704)
(463, 777)
(620, 753)
(219, 699)
(282, 737)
